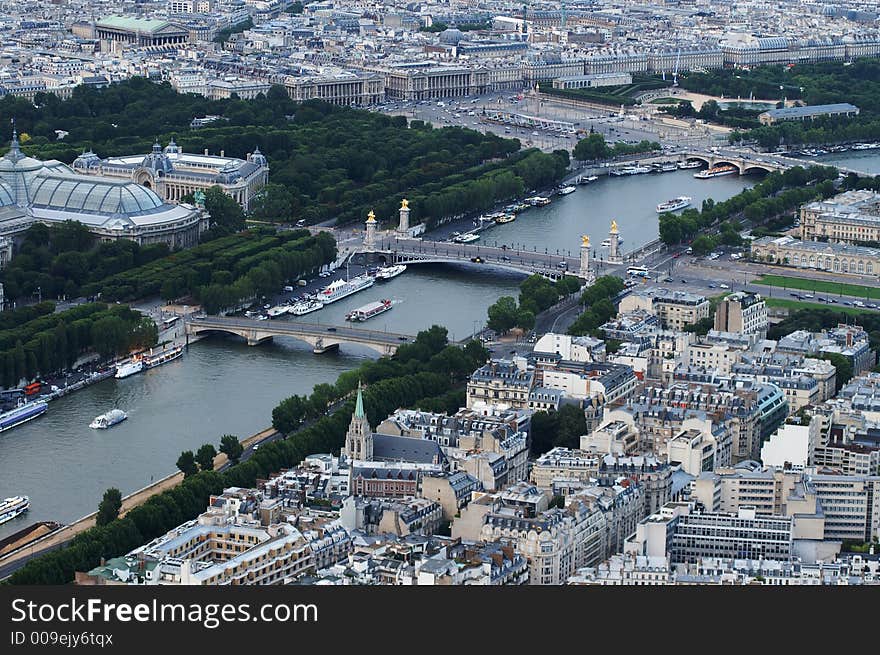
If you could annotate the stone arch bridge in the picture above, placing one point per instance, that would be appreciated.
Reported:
(322, 338)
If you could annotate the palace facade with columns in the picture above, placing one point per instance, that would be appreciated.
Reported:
(173, 174)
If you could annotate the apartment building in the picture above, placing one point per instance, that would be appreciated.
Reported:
(751, 412)
(675, 309)
(242, 539)
(849, 503)
(700, 446)
(556, 542)
(849, 217)
(793, 445)
(742, 312)
(684, 533)
(501, 381)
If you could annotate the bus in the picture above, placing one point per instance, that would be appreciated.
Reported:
(637, 271)
(168, 322)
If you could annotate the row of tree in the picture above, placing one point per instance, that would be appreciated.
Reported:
(429, 353)
(58, 260)
(598, 299)
(736, 115)
(776, 193)
(536, 293)
(593, 147)
(225, 271)
(191, 463)
(398, 381)
(51, 343)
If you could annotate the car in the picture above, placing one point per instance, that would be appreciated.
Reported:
(667, 279)
(256, 447)
(712, 285)
(683, 281)
(477, 260)
(794, 294)
(832, 300)
(513, 352)
(267, 306)
(402, 338)
(871, 305)
(808, 296)
(331, 329)
(505, 258)
(724, 286)
(562, 264)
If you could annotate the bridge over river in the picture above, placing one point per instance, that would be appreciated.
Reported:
(322, 338)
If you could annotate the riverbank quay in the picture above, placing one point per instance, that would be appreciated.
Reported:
(23, 552)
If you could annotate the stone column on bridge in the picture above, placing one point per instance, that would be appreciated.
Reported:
(585, 271)
(614, 243)
(370, 236)
(403, 226)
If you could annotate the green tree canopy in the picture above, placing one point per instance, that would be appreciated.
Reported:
(109, 508)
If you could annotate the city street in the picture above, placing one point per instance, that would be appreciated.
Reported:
(635, 125)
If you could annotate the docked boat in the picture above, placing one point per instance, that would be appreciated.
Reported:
(22, 414)
(674, 205)
(691, 163)
(343, 288)
(152, 360)
(108, 420)
(132, 366)
(467, 238)
(564, 191)
(369, 310)
(305, 307)
(505, 217)
(388, 272)
(716, 171)
(538, 201)
(664, 167)
(587, 179)
(12, 507)
(277, 310)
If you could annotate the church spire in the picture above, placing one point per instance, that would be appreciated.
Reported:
(359, 404)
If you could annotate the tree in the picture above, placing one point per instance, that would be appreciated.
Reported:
(572, 424)
(591, 147)
(226, 214)
(274, 203)
(503, 314)
(544, 428)
(702, 245)
(231, 447)
(187, 463)
(109, 508)
(205, 457)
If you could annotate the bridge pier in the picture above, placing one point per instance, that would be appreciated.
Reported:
(254, 339)
(320, 348)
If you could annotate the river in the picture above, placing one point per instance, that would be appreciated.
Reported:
(222, 386)
(867, 161)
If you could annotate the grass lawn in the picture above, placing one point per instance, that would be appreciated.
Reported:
(794, 305)
(833, 288)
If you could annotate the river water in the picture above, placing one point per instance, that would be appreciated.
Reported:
(867, 161)
(223, 386)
